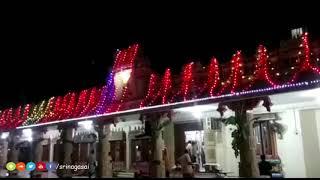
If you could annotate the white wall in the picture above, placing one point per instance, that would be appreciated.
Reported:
(290, 148)
(318, 125)
(224, 153)
(310, 142)
(231, 162)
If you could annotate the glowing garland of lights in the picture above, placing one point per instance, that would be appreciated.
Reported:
(91, 102)
(306, 65)
(49, 110)
(25, 114)
(236, 74)
(55, 114)
(41, 111)
(31, 116)
(16, 116)
(106, 96)
(81, 103)
(261, 71)
(3, 117)
(95, 101)
(187, 82)
(213, 76)
(254, 92)
(126, 61)
(71, 105)
(166, 86)
(151, 90)
(163, 90)
(64, 107)
(7, 118)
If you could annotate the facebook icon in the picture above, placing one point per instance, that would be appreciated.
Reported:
(51, 166)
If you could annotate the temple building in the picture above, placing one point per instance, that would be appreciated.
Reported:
(142, 118)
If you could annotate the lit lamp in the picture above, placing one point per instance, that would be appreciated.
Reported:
(4, 135)
(28, 134)
(196, 112)
(123, 75)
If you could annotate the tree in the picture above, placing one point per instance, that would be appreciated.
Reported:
(243, 139)
(157, 123)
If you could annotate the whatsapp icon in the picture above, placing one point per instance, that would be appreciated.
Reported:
(11, 166)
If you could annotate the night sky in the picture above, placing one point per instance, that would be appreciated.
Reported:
(44, 56)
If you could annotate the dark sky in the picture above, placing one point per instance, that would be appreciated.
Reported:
(46, 55)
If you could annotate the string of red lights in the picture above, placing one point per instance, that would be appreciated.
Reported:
(160, 90)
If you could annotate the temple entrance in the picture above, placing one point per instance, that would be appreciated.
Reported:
(195, 145)
(190, 136)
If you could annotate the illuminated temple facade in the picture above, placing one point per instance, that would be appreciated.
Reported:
(139, 114)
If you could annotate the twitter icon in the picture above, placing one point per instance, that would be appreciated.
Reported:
(30, 166)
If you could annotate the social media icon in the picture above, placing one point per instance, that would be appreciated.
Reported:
(51, 166)
(11, 166)
(21, 166)
(41, 166)
(30, 166)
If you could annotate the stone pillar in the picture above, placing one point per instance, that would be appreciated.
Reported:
(51, 149)
(157, 165)
(4, 155)
(67, 139)
(104, 166)
(4, 152)
(128, 150)
(13, 153)
(168, 134)
(37, 145)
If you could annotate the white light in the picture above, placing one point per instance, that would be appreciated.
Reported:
(29, 139)
(85, 124)
(123, 75)
(4, 135)
(27, 132)
(311, 93)
(138, 110)
(197, 114)
(196, 111)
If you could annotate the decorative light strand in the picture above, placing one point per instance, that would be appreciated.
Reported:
(80, 103)
(213, 76)
(3, 118)
(16, 116)
(49, 110)
(71, 105)
(166, 86)
(151, 90)
(236, 73)
(104, 100)
(90, 104)
(261, 71)
(56, 108)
